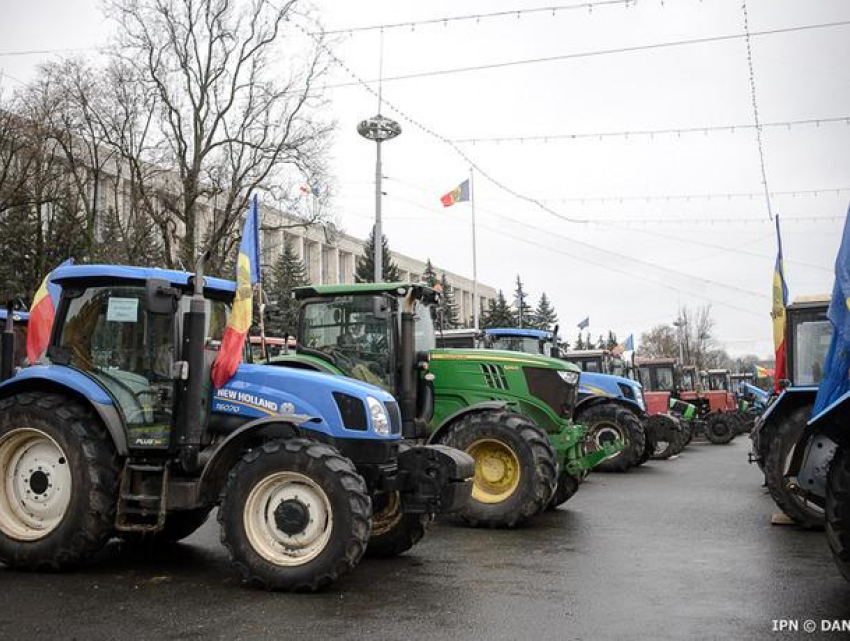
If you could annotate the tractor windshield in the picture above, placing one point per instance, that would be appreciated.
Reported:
(688, 380)
(522, 344)
(352, 334)
(811, 342)
(425, 334)
(717, 382)
(657, 379)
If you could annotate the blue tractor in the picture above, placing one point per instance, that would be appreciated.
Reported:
(122, 433)
(611, 407)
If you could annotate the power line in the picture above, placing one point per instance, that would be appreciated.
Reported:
(756, 110)
(589, 54)
(41, 52)
(689, 197)
(651, 133)
(518, 13)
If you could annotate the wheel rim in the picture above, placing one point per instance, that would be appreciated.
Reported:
(288, 519)
(37, 484)
(497, 471)
(605, 434)
(388, 516)
(661, 447)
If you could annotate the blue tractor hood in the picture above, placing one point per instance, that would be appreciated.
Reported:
(625, 389)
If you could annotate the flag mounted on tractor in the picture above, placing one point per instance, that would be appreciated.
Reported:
(836, 366)
(457, 195)
(42, 312)
(247, 274)
(780, 302)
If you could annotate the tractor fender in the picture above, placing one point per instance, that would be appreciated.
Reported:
(73, 383)
(593, 401)
(470, 409)
(227, 453)
(788, 401)
(832, 421)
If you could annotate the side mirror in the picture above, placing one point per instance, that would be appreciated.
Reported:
(161, 296)
(380, 308)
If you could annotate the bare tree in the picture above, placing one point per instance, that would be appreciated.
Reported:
(228, 117)
(659, 342)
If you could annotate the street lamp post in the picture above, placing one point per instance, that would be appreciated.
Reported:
(379, 129)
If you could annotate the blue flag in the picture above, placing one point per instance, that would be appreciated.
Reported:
(250, 245)
(836, 379)
(585, 323)
(630, 343)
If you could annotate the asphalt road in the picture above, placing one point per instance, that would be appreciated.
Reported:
(677, 549)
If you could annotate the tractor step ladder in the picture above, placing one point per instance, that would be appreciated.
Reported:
(141, 497)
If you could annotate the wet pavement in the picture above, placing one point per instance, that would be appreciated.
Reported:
(677, 549)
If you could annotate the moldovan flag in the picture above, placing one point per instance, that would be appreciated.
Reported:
(247, 273)
(457, 195)
(42, 312)
(780, 302)
(836, 366)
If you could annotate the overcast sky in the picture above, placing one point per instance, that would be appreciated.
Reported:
(626, 277)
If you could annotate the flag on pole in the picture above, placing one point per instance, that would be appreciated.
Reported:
(585, 323)
(247, 274)
(780, 302)
(457, 195)
(42, 313)
(627, 345)
(836, 367)
(763, 372)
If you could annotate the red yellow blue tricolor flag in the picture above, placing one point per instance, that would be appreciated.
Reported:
(780, 302)
(42, 312)
(247, 274)
(457, 195)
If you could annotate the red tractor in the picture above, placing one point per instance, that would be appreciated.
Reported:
(711, 393)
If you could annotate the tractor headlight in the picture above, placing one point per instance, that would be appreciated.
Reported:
(570, 378)
(380, 420)
(641, 401)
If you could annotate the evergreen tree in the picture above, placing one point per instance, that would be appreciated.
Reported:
(523, 315)
(365, 270)
(498, 314)
(545, 316)
(611, 341)
(448, 306)
(287, 274)
(429, 276)
(580, 342)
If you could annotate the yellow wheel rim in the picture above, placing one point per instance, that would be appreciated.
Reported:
(497, 471)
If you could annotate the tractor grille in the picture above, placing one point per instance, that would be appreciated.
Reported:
(395, 416)
(494, 376)
(550, 388)
(352, 410)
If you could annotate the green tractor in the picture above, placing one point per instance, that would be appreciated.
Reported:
(512, 412)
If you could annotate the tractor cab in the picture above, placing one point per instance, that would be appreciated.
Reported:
(807, 336)
(460, 338)
(525, 340)
(657, 375)
(600, 361)
(689, 379)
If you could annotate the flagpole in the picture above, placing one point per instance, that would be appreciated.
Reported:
(474, 257)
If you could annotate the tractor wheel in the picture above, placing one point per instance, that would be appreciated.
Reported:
(58, 485)
(838, 510)
(779, 445)
(607, 422)
(295, 515)
(515, 467)
(688, 429)
(567, 487)
(668, 436)
(393, 531)
(178, 526)
(720, 428)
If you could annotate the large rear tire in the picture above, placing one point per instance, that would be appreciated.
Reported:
(515, 467)
(295, 515)
(780, 441)
(651, 438)
(838, 510)
(607, 422)
(58, 484)
(721, 428)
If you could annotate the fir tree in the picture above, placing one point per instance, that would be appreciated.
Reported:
(448, 306)
(523, 316)
(545, 316)
(287, 274)
(580, 342)
(498, 314)
(365, 270)
(611, 341)
(429, 276)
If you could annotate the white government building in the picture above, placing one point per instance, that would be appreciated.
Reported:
(330, 257)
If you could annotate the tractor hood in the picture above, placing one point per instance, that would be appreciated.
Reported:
(502, 356)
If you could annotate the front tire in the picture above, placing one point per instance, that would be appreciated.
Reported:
(567, 487)
(780, 442)
(669, 438)
(607, 422)
(394, 532)
(295, 515)
(515, 467)
(721, 428)
(58, 485)
(838, 510)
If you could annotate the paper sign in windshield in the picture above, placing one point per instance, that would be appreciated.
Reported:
(123, 310)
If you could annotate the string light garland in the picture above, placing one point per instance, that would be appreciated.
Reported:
(478, 17)
(652, 133)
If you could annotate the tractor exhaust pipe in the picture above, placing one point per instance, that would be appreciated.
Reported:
(7, 351)
(407, 396)
(193, 409)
